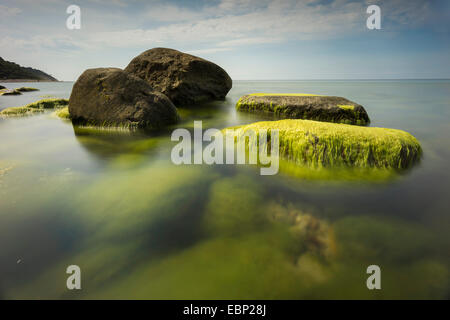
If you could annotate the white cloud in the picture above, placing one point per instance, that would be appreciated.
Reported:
(248, 41)
(287, 21)
(208, 51)
(171, 13)
(230, 23)
(8, 11)
(131, 26)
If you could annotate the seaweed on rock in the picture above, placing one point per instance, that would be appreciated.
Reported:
(322, 145)
(38, 106)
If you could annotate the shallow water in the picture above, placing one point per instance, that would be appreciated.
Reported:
(141, 227)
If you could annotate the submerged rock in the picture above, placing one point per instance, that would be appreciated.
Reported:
(313, 234)
(184, 78)
(113, 97)
(26, 89)
(38, 106)
(321, 144)
(305, 106)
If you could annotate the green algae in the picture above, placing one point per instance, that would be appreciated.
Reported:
(383, 239)
(156, 198)
(284, 94)
(34, 107)
(405, 252)
(132, 147)
(226, 216)
(346, 107)
(341, 174)
(311, 235)
(318, 144)
(63, 113)
(110, 125)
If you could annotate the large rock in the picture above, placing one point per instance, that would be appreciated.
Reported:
(305, 106)
(184, 78)
(321, 144)
(113, 97)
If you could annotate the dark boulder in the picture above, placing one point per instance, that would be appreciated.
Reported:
(112, 97)
(184, 78)
(26, 89)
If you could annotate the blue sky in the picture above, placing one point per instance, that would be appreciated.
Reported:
(251, 39)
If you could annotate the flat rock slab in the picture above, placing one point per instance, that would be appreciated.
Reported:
(305, 106)
(26, 89)
(321, 144)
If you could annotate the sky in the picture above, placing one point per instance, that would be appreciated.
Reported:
(250, 39)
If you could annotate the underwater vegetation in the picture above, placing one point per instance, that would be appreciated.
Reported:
(169, 246)
(63, 113)
(38, 106)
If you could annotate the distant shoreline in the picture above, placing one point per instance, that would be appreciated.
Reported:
(26, 80)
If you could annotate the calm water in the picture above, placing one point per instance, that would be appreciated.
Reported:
(141, 227)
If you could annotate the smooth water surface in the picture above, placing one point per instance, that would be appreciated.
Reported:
(141, 227)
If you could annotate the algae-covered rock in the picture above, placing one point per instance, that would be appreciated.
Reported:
(113, 97)
(184, 78)
(38, 106)
(6, 92)
(313, 235)
(63, 113)
(320, 144)
(305, 106)
(26, 89)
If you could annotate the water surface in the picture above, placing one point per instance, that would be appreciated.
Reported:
(141, 227)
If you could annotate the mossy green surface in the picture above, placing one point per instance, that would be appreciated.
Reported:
(346, 107)
(38, 106)
(63, 113)
(343, 174)
(261, 94)
(320, 144)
